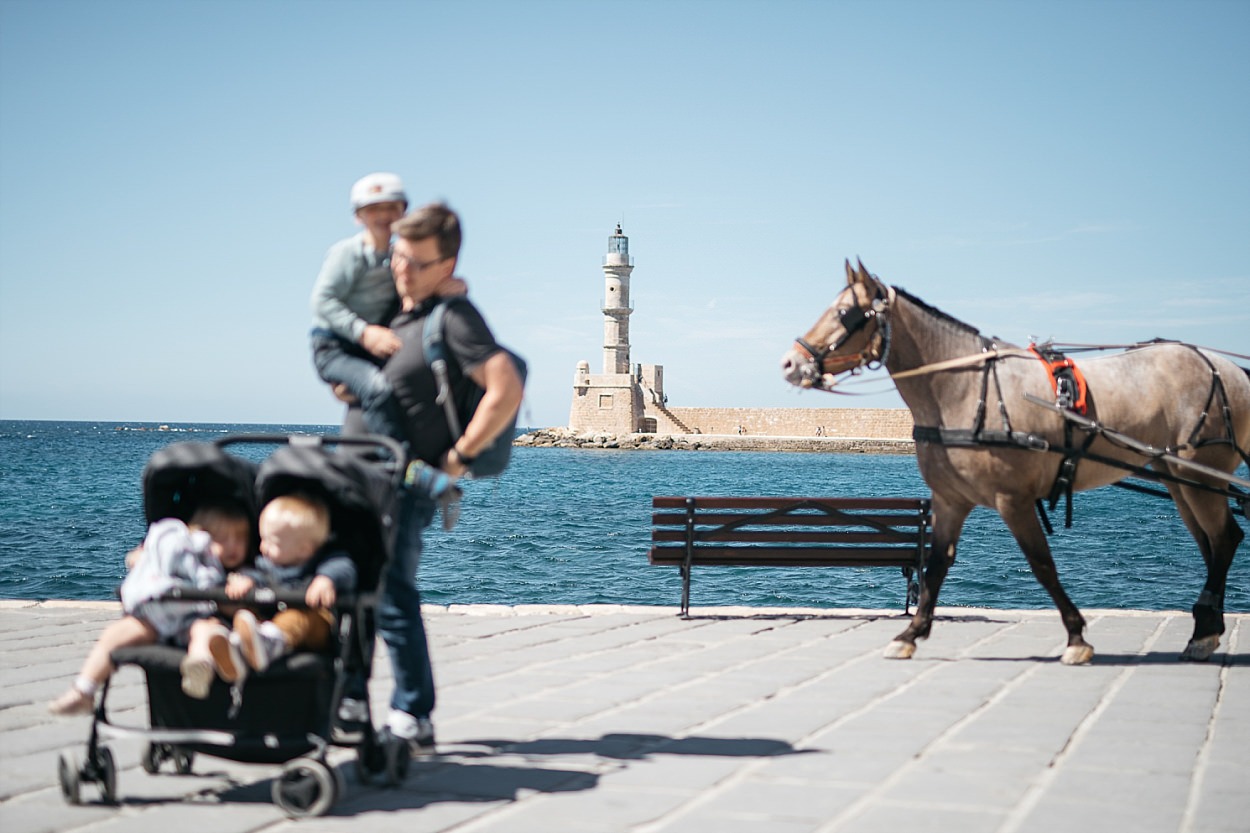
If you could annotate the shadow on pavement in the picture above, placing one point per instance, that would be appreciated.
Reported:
(833, 616)
(463, 772)
(634, 747)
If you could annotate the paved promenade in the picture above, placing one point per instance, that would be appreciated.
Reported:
(607, 719)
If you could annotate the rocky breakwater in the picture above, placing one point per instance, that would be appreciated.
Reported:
(564, 438)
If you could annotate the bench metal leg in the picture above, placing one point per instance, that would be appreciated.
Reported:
(688, 567)
(685, 590)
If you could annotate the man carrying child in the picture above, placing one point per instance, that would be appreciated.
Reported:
(423, 259)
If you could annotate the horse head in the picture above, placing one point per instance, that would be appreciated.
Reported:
(851, 334)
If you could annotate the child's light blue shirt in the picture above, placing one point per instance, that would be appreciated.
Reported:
(354, 288)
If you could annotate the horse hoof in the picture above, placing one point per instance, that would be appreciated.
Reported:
(1200, 650)
(1077, 655)
(899, 650)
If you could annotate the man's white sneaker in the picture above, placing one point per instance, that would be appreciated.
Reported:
(353, 710)
(418, 731)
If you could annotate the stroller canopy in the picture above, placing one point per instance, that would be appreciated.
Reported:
(181, 477)
(359, 497)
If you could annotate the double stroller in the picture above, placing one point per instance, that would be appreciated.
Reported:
(288, 714)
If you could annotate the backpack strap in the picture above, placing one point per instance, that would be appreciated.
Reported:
(436, 355)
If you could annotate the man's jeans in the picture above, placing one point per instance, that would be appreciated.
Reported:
(399, 613)
(340, 362)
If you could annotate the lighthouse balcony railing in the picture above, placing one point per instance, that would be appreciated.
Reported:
(605, 309)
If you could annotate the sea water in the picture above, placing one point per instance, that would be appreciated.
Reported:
(572, 526)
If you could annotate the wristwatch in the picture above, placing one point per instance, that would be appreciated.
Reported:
(464, 459)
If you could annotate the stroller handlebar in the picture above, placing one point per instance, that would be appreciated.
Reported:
(376, 442)
(264, 597)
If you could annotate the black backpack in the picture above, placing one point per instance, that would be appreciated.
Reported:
(493, 459)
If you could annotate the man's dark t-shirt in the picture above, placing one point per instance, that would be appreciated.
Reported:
(468, 343)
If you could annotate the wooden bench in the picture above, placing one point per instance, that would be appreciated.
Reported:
(791, 532)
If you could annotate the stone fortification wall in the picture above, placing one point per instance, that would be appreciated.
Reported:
(874, 423)
(565, 438)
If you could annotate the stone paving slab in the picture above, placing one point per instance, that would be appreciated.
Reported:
(605, 719)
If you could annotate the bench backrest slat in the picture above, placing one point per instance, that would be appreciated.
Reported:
(670, 502)
(711, 518)
(798, 537)
(788, 556)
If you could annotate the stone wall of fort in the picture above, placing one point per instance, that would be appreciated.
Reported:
(870, 423)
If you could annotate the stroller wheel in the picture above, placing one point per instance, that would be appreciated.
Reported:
(154, 754)
(370, 762)
(70, 777)
(305, 788)
(108, 775)
(396, 754)
(183, 758)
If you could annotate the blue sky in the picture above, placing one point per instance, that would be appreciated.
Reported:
(171, 174)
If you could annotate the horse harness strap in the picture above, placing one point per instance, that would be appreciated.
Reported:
(1071, 394)
(968, 438)
(978, 435)
(853, 319)
(1067, 382)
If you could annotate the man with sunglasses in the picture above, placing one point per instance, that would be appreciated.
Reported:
(423, 259)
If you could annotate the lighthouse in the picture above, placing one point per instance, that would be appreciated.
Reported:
(617, 267)
(613, 401)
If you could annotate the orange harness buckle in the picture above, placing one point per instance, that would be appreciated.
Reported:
(1066, 380)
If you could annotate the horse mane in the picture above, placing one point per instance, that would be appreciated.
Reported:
(937, 313)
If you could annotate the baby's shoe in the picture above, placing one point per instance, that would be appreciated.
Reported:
(429, 479)
(197, 675)
(226, 655)
(72, 702)
(260, 642)
(439, 486)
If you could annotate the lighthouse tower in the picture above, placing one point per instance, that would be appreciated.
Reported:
(611, 402)
(617, 268)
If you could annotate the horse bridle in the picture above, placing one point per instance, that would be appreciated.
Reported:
(853, 319)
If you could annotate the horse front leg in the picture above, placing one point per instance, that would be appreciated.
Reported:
(948, 522)
(1021, 518)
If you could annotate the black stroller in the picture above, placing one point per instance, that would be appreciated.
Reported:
(289, 713)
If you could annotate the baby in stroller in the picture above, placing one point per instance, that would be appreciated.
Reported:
(285, 710)
(296, 550)
(197, 553)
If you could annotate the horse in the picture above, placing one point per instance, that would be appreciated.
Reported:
(982, 439)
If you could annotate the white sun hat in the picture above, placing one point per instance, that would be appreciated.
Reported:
(375, 188)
